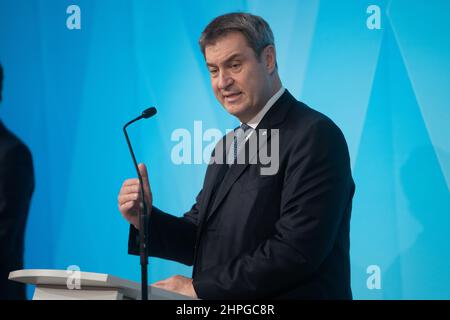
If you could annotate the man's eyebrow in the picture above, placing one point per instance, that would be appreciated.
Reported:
(230, 58)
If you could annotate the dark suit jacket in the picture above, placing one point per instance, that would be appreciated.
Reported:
(16, 188)
(281, 236)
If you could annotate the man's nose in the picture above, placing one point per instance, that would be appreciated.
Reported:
(225, 80)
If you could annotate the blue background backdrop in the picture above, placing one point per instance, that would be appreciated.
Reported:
(67, 94)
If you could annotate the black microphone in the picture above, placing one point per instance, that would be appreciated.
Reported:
(150, 112)
(147, 113)
(143, 216)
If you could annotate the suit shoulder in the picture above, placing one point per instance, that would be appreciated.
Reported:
(13, 149)
(313, 133)
(304, 119)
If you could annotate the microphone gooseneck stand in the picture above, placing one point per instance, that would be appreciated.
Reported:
(143, 216)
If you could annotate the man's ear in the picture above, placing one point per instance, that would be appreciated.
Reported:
(270, 58)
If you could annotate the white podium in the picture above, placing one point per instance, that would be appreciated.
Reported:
(57, 284)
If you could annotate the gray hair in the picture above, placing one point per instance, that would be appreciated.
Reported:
(255, 29)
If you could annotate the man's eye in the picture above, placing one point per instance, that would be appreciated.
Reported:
(235, 66)
(213, 71)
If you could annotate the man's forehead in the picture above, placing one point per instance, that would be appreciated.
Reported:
(226, 47)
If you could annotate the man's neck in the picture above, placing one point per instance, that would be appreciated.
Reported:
(275, 88)
(256, 119)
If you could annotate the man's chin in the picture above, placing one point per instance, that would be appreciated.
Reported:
(234, 111)
(235, 108)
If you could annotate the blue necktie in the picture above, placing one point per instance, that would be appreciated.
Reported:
(238, 138)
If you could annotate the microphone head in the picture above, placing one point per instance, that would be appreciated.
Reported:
(150, 112)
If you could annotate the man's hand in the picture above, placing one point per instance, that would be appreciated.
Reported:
(178, 284)
(129, 198)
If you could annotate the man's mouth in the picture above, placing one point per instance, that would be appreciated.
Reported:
(232, 97)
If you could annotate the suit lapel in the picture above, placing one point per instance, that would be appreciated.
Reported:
(233, 174)
(214, 174)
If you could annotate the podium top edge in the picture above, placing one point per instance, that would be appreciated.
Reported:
(59, 277)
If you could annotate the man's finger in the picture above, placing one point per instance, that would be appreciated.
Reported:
(123, 198)
(161, 284)
(127, 205)
(130, 182)
(143, 170)
(131, 189)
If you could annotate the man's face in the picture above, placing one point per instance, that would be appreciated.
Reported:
(240, 81)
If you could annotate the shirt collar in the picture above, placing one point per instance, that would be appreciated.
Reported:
(257, 119)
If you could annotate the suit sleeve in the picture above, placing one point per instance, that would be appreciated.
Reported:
(317, 189)
(16, 188)
(170, 237)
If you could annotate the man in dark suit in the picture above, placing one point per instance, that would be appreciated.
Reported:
(280, 234)
(16, 188)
